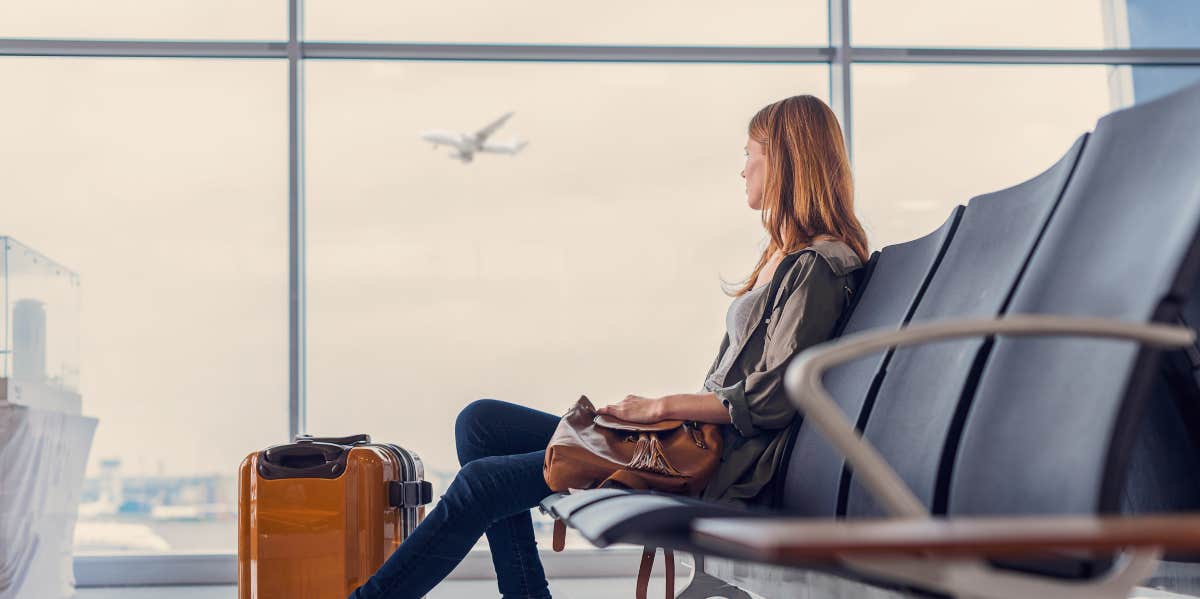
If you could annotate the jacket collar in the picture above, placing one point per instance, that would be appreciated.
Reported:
(841, 260)
(840, 257)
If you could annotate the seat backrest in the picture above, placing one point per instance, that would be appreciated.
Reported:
(1161, 476)
(773, 496)
(885, 301)
(1165, 458)
(1052, 425)
(915, 411)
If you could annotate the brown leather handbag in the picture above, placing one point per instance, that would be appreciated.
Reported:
(590, 450)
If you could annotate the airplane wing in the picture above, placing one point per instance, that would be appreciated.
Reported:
(510, 148)
(487, 131)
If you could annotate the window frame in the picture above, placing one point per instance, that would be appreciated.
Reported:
(840, 55)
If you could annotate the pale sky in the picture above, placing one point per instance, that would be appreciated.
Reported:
(590, 263)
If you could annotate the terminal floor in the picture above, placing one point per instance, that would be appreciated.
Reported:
(563, 588)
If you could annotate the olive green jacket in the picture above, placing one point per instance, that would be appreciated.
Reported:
(812, 289)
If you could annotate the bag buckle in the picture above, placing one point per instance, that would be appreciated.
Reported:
(409, 494)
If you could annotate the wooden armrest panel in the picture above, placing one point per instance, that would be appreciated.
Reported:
(806, 540)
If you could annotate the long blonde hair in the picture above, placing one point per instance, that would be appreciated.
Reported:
(808, 193)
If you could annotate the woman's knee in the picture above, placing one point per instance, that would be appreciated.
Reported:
(474, 412)
(469, 426)
(476, 415)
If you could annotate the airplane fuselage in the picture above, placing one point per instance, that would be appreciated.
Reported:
(466, 145)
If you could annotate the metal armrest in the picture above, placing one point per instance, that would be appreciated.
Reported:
(947, 555)
(966, 575)
(797, 541)
(803, 381)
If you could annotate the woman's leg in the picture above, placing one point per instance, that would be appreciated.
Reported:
(485, 491)
(486, 428)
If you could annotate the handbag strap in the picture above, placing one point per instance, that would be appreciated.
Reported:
(643, 578)
(776, 281)
(559, 541)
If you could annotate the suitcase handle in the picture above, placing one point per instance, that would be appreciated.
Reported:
(303, 460)
(349, 440)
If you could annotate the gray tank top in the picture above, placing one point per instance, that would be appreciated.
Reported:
(737, 320)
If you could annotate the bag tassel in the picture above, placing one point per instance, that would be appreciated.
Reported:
(649, 456)
(697, 438)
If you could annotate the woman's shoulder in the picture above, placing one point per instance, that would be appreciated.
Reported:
(840, 257)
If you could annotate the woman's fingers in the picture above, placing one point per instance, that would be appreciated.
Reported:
(626, 409)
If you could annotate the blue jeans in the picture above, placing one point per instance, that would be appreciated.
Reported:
(501, 447)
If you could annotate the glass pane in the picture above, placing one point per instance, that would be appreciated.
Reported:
(163, 184)
(1027, 23)
(1155, 23)
(705, 22)
(929, 137)
(136, 19)
(1143, 83)
(588, 263)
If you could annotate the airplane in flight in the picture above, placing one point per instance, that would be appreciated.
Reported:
(466, 145)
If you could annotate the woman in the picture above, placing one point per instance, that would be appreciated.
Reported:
(798, 175)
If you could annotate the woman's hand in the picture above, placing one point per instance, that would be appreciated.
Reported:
(635, 408)
(702, 407)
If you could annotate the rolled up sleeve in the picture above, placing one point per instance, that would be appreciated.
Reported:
(811, 310)
(733, 398)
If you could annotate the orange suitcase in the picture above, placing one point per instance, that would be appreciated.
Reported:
(317, 517)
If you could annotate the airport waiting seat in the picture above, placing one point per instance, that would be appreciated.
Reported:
(1000, 425)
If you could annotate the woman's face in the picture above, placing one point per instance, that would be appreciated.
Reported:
(755, 173)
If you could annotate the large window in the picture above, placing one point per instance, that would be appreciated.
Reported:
(266, 244)
(160, 182)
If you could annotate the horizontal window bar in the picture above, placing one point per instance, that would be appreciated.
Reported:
(570, 53)
(1155, 56)
(141, 49)
(523, 52)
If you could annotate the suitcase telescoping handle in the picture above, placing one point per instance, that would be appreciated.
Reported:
(303, 460)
